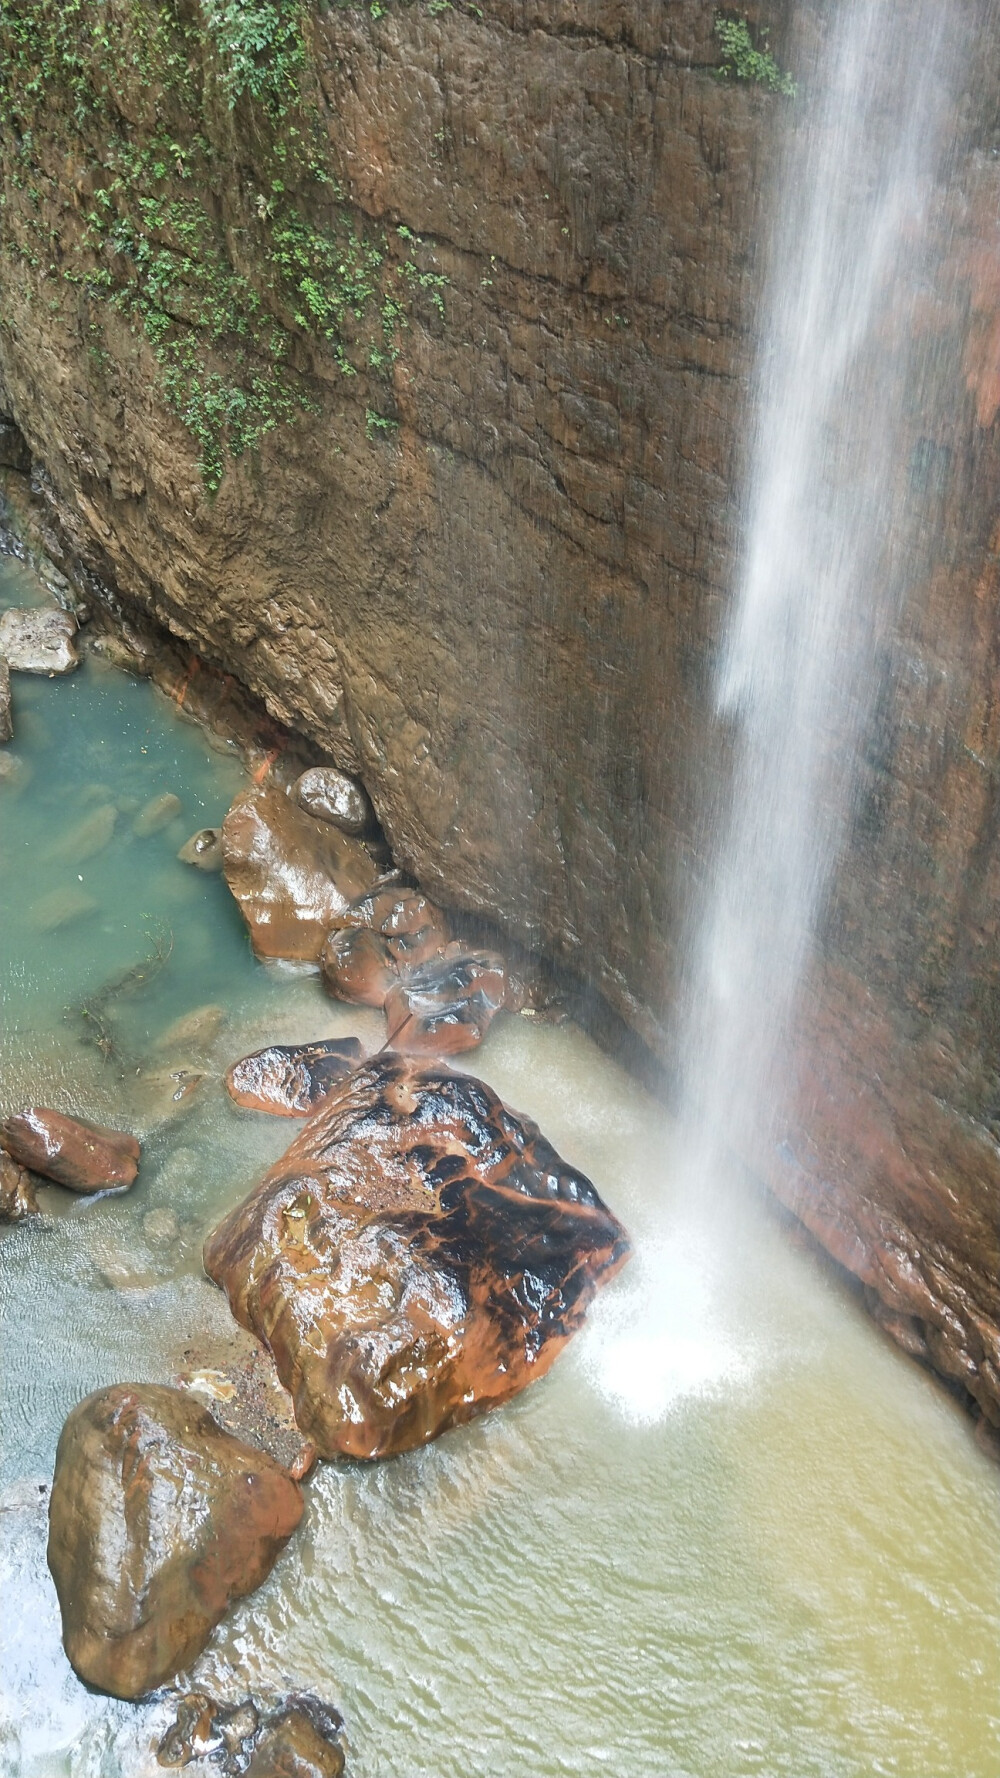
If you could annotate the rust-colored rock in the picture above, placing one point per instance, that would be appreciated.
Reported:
(17, 1191)
(378, 937)
(86, 1157)
(448, 1005)
(291, 874)
(299, 1744)
(290, 1079)
(158, 1520)
(418, 1255)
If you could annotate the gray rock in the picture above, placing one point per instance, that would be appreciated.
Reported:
(38, 641)
(333, 796)
(203, 849)
(6, 719)
(156, 814)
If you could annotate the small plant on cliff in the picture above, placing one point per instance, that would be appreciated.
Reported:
(743, 59)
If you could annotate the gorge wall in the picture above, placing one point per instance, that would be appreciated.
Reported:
(474, 287)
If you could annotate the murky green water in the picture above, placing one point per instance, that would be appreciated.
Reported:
(733, 1533)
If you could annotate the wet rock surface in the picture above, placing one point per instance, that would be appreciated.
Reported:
(6, 711)
(418, 1255)
(158, 1519)
(203, 849)
(376, 939)
(448, 1005)
(244, 1393)
(290, 1079)
(291, 874)
(38, 641)
(300, 1743)
(17, 1191)
(333, 796)
(83, 1156)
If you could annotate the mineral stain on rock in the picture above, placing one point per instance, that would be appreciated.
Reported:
(158, 1520)
(419, 1254)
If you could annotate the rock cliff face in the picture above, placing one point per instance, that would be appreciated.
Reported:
(489, 574)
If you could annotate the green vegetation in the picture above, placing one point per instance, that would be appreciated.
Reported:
(209, 221)
(743, 59)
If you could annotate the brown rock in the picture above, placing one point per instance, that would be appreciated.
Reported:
(38, 640)
(203, 849)
(17, 1191)
(157, 1521)
(202, 1727)
(246, 1396)
(290, 1079)
(333, 796)
(379, 936)
(6, 717)
(446, 1006)
(86, 1157)
(418, 1255)
(295, 1745)
(291, 874)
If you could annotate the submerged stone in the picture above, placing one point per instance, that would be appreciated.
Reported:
(158, 1520)
(86, 838)
(419, 1254)
(291, 874)
(446, 1006)
(290, 1079)
(39, 640)
(17, 1191)
(157, 813)
(6, 715)
(203, 849)
(196, 1029)
(333, 796)
(61, 907)
(83, 1156)
(376, 939)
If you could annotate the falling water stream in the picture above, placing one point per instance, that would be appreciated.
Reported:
(734, 1532)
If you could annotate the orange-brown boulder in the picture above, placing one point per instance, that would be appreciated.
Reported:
(290, 1079)
(86, 1157)
(418, 1255)
(157, 1521)
(378, 937)
(17, 1191)
(299, 1743)
(290, 873)
(448, 1005)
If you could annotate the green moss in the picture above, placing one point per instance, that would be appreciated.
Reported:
(743, 59)
(222, 243)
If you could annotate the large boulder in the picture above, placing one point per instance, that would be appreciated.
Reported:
(83, 1156)
(418, 1255)
(39, 640)
(290, 1079)
(291, 874)
(157, 1521)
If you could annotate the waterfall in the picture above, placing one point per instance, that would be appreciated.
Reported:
(821, 578)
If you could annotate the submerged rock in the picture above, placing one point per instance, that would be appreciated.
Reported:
(17, 1191)
(448, 1005)
(157, 813)
(86, 838)
(203, 849)
(158, 1520)
(300, 1743)
(196, 1029)
(83, 1156)
(376, 939)
(290, 1079)
(39, 640)
(159, 1093)
(291, 874)
(418, 1255)
(6, 716)
(60, 907)
(333, 796)
(247, 1397)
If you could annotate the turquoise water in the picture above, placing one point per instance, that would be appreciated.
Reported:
(732, 1533)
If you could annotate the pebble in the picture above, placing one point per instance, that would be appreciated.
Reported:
(203, 849)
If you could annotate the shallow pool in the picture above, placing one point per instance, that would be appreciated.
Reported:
(732, 1533)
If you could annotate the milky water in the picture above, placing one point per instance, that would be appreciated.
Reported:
(749, 1539)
